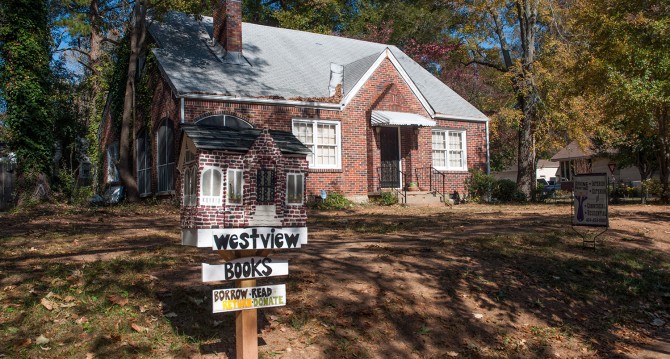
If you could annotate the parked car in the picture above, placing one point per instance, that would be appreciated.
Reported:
(548, 187)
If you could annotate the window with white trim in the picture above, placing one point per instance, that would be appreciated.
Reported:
(295, 188)
(189, 192)
(235, 187)
(323, 139)
(449, 150)
(166, 163)
(210, 186)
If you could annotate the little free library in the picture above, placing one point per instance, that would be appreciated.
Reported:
(360, 116)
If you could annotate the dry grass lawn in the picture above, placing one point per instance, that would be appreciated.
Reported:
(469, 281)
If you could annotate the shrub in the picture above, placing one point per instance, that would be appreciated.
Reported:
(334, 200)
(506, 190)
(653, 187)
(387, 199)
(479, 185)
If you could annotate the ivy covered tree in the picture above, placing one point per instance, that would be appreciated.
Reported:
(25, 82)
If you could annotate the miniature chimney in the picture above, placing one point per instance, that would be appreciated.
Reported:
(228, 25)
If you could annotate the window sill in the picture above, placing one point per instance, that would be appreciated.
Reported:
(325, 170)
(165, 193)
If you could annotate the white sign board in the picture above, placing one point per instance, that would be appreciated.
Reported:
(590, 207)
(257, 238)
(245, 268)
(233, 299)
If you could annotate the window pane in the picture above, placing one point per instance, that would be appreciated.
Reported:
(439, 142)
(234, 186)
(295, 188)
(207, 182)
(455, 140)
(216, 183)
(326, 134)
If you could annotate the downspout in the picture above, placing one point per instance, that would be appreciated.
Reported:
(488, 158)
(181, 110)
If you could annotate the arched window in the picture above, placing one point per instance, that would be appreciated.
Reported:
(224, 121)
(165, 165)
(143, 156)
(210, 187)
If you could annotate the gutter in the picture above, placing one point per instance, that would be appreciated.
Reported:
(488, 154)
(462, 118)
(263, 101)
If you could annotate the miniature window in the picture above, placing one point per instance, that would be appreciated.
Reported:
(210, 187)
(190, 197)
(449, 150)
(143, 154)
(295, 188)
(265, 186)
(235, 186)
(166, 164)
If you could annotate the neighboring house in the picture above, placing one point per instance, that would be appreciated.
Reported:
(575, 160)
(545, 169)
(370, 116)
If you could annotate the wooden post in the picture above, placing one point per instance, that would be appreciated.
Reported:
(246, 332)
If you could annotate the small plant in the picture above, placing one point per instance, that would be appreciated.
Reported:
(387, 199)
(480, 185)
(334, 200)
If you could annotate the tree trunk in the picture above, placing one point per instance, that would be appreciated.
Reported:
(664, 153)
(526, 155)
(137, 38)
(527, 96)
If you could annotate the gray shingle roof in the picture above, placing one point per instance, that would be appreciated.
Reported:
(227, 138)
(285, 63)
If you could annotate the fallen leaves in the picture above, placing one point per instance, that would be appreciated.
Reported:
(138, 328)
(41, 340)
(117, 299)
(49, 305)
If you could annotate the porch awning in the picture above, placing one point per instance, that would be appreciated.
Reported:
(390, 118)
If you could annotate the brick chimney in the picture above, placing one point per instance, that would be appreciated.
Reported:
(228, 25)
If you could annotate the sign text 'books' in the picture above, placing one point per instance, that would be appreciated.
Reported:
(245, 268)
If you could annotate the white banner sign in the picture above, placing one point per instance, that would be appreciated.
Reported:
(590, 207)
(229, 300)
(256, 238)
(245, 268)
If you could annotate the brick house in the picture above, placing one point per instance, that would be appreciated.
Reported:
(371, 117)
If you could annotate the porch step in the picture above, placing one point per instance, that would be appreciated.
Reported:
(423, 199)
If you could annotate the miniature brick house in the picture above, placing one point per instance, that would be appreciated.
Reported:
(240, 177)
(371, 116)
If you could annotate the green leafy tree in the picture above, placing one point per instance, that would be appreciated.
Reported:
(506, 35)
(625, 59)
(25, 81)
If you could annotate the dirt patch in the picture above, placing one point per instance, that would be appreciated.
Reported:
(380, 282)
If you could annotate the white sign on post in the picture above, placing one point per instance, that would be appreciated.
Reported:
(233, 299)
(253, 238)
(590, 207)
(245, 268)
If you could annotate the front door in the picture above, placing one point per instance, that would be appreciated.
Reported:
(390, 157)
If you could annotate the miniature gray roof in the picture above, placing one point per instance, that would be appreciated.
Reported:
(285, 63)
(227, 138)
